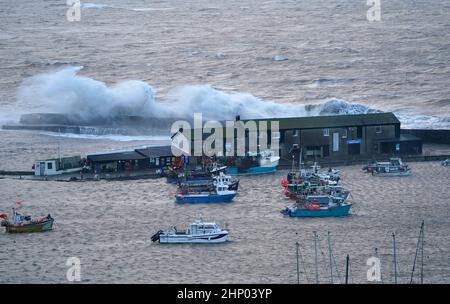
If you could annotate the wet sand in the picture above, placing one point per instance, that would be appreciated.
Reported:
(108, 226)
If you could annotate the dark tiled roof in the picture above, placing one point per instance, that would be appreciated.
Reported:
(115, 156)
(334, 121)
(156, 151)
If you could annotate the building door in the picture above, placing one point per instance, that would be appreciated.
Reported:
(42, 169)
(354, 149)
(336, 142)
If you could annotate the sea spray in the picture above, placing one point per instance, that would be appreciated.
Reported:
(87, 99)
(65, 91)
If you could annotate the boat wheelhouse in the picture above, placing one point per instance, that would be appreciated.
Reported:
(221, 194)
(199, 232)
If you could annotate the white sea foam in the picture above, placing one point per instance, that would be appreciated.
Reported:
(108, 137)
(64, 91)
(93, 5)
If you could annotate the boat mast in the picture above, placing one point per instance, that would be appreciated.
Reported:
(395, 259)
(346, 268)
(300, 162)
(59, 146)
(298, 270)
(423, 236)
(419, 242)
(330, 255)
(315, 257)
(377, 256)
(293, 161)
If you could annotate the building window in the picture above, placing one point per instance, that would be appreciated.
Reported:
(375, 148)
(326, 132)
(378, 129)
(49, 166)
(295, 133)
(344, 133)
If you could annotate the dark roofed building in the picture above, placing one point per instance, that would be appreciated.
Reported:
(147, 158)
(115, 156)
(341, 136)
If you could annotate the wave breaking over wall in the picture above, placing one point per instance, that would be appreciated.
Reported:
(87, 99)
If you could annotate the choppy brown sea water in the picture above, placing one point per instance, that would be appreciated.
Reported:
(108, 226)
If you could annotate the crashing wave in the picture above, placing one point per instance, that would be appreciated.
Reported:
(87, 99)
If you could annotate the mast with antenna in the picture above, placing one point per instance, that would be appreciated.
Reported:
(330, 253)
(315, 257)
(395, 259)
(300, 161)
(419, 243)
(298, 270)
(346, 268)
(59, 147)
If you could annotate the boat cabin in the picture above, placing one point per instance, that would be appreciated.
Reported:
(57, 166)
(203, 228)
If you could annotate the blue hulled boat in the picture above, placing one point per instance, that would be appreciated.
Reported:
(256, 163)
(320, 211)
(220, 195)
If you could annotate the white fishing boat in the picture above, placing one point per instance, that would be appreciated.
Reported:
(199, 232)
(395, 167)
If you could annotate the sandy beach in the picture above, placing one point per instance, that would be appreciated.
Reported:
(108, 226)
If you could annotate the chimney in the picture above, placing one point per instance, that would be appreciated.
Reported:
(238, 117)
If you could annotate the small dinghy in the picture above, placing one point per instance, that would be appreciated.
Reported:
(199, 232)
(25, 224)
(221, 194)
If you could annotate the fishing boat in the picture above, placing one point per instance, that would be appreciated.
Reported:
(199, 232)
(395, 167)
(221, 194)
(306, 208)
(253, 163)
(195, 185)
(25, 224)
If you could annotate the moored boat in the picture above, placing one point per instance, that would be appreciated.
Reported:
(221, 194)
(393, 167)
(254, 163)
(25, 224)
(199, 232)
(195, 185)
(309, 209)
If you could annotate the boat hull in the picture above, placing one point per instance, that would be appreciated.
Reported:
(328, 212)
(383, 174)
(194, 239)
(201, 186)
(28, 228)
(175, 180)
(204, 198)
(251, 170)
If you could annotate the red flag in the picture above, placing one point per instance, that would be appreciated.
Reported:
(19, 202)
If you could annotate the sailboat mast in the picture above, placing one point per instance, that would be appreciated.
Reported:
(59, 146)
(330, 255)
(298, 270)
(395, 259)
(346, 268)
(419, 241)
(315, 257)
(423, 236)
(300, 161)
